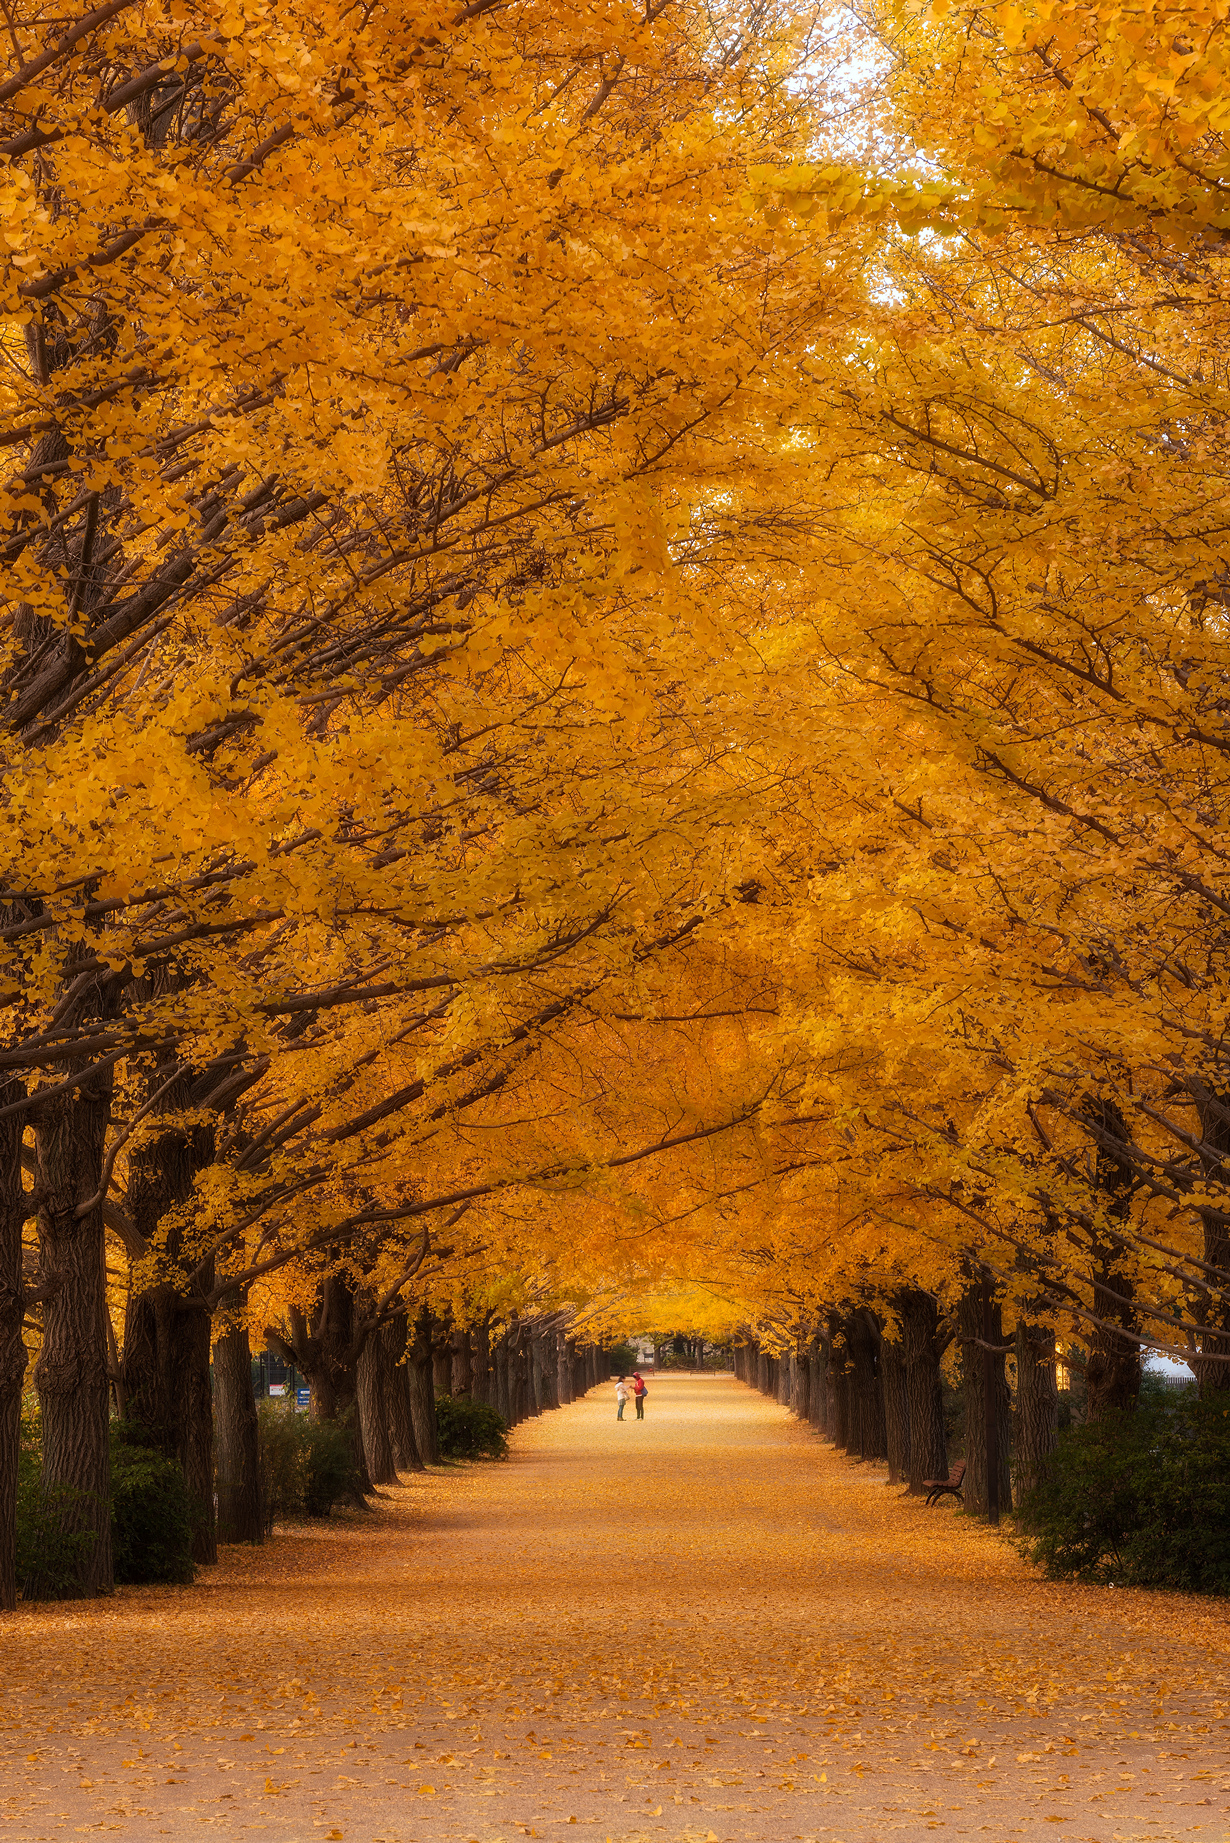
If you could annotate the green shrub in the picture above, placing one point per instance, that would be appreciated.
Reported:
(279, 1446)
(306, 1466)
(152, 1521)
(328, 1466)
(1139, 1499)
(624, 1358)
(468, 1429)
(50, 1550)
(152, 1514)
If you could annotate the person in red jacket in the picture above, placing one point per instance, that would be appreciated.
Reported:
(640, 1391)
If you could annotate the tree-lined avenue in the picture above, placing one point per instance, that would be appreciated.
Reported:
(706, 1625)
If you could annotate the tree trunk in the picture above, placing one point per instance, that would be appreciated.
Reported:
(802, 1395)
(862, 1337)
(327, 1347)
(1212, 1310)
(896, 1410)
(820, 1384)
(1112, 1374)
(12, 1344)
(563, 1372)
(512, 1355)
(480, 1362)
(459, 1383)
(71, 1372)
(372, 1394)
(923, 1347)
(538, 1374)
(1037, 1404)
(422, 1394)
(442, 1368)
(977, 1367)
(783, 1380)
(168, 1327)
(406, 1455)
(839, 1408)
(240, 1511)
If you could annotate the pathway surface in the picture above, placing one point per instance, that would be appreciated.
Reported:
(703, 1628)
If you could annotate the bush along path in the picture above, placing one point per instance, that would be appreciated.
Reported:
(1138, 1497)
(704, 1625)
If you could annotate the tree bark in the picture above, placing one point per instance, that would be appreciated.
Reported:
(819, 1384)
(422, 1394)
(442, 1367)
(563, 1370)
(863, 1337)
(1212, 1308)
(71, 1372)
(924, 1345)
(12, 1344)
(896, 1410)
(240, 1511)
(1037, 1404)
(459, 1381)
(802, 1392)
(977, 1364)
(168, 1327)
(406, 1456)
(372, 1394)
(327, 1346)
(1112, 1374)
(839, 1397)
(480, 1361)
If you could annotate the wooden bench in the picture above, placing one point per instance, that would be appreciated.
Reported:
(936, 1488)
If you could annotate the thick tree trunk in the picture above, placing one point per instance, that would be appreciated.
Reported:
(1037, 1404)
(240, 1511)
(459, 1383)
(802, 1394)
(974, 1323)
(442, 1368)
(71, 1372)
(923, 1347)
(1212, 1310)
(820, 1384)
(422, 1394)
(12, 1344)
(550, 1371)
(480, 1362)
(1112, 1374)
(168, 1329)
(869, 1433)
(512, 1354)
(896, 1410)
(783, 1380)
(563, 1370)
(839, 1408)
(372, 1393)
(537, 1376)
(406, 1456)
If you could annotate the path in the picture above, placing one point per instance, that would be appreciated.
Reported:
(708, 1626)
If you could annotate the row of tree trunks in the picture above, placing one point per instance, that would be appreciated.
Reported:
(237, 1456)
(12, 1346)
(71, 1374)
(873, 1386)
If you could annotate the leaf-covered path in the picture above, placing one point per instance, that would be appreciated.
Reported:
(704, 1626)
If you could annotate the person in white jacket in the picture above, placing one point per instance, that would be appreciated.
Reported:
(621, 1396)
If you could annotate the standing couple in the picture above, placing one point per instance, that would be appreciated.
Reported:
(624, 1387)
